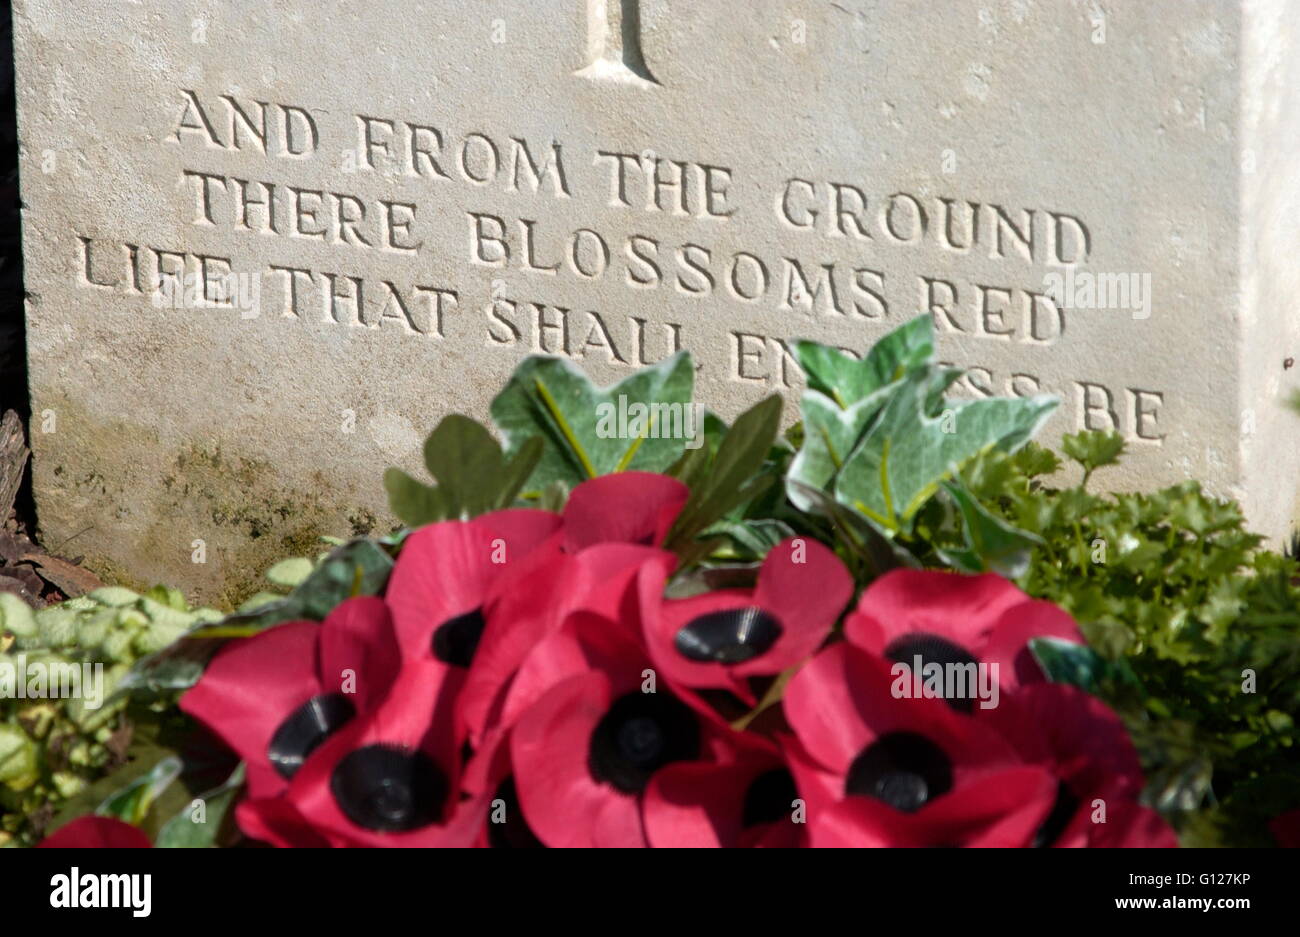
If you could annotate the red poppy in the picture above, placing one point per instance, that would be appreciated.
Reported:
(96, 833)
(1066, 755)
(863, 740)
(720, 639)
(447, 575)
(390, 777)
(612, 527)
(748, 800)
(953, 619)
(601, 727)
(1088, 751)
(627, 507)
(276, 696)
(999, 810)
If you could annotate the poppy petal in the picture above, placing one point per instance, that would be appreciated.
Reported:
(957, 608)
(251, 688)
(550, 750)
(626, 507)
(96, 833)
(358, 651)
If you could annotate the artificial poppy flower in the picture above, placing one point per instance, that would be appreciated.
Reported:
(96, 833)
(505, 825)
(390, 777)
(447, 575)
(955, 620)
(750, 799)
(612, 526)
(276, 696)
(1001, 810)
(863, 740)
(858, 737)
(720, 639)
(603, 724)
(1086, 748)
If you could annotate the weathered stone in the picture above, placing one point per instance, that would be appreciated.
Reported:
(405, 199)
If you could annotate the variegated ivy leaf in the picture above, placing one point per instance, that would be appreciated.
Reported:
(641, 423)
(907, 453)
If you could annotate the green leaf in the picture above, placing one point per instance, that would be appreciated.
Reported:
(868, 541)
(1081, 666)
(359, 567)
(473, 475)
(906, 453)
(991, 543)
(730, 478)
(1093, 448)
(752, 538)
(846, 379)
(414, 502)
(830, 435)
(182, 831)
(131, 803)
(289, 573)
(580, 423)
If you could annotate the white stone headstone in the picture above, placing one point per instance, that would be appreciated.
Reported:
(270, 243)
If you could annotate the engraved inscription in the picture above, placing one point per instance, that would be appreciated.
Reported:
(614, 43)
(677, 252)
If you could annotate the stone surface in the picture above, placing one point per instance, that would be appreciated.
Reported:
(612, 179)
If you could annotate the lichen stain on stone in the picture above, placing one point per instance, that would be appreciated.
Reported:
(247, 515)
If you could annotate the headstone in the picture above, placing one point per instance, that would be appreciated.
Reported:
(270, 244)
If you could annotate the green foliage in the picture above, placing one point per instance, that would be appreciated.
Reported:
(1195, 630)
(552, 399)
(473, 475)
(52, 749)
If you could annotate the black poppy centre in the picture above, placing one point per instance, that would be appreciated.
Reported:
(932, 649)
(456, 639)
(1062, 812)
(507, 828)
(305, 729)
(389, 789)
(728, 636)
(770, 797)
(640, 733)
(904, 769)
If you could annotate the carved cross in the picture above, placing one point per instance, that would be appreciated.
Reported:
(614, 43)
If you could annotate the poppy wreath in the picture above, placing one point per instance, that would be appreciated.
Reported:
(623, 625)
(525, 680)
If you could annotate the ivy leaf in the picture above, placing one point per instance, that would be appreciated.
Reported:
(846, 379)
(640, 423)
(907, 453)
(1081, 666)
(473, 475)
(991, 543)
(830, 435)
